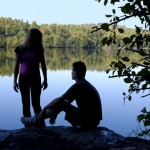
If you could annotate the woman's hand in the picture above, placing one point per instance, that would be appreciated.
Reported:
(44, 84)
(16, 87)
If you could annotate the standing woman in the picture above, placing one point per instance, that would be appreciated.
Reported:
(29, 56)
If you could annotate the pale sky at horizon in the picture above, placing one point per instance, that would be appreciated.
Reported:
(60, 12)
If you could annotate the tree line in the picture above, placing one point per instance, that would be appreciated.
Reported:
(12, 33)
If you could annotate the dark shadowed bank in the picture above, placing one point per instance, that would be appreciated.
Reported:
(68, 138)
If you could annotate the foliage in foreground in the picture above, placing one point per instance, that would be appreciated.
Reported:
(137, 43)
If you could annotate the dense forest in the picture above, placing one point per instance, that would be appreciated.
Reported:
(63, 44)
(12, 32)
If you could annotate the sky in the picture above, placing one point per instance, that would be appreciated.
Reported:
(59, 11)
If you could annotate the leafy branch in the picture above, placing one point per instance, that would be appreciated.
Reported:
(138, 80)
(117, 20)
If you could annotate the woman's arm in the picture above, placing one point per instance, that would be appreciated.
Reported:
(16, 72)
(44, 71)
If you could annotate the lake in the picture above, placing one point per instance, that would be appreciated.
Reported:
(118, 115)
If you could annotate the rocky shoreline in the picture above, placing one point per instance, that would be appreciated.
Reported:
(68, 138)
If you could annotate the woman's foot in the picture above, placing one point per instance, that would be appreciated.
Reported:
(28, 121)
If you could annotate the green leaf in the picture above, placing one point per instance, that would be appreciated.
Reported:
(140, 117)
(114, 1)
(116, 65)
(136, 78)
(108, 16)
(104, 41)
(114, 11)
(98, 0)
(120, 71)
(120, 30)
(129, 98)
(107, 71)
(124, 93)
(143, 72)
(148, 39)
(138, 30)
(127, 40)
(105, 2)
(144, 110)
(128, 80)
(144, 86)
(147, 122)
(109, 41)
(105, 26)
(132, 37)
(125, 59)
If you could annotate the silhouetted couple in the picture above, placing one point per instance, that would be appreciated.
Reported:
(88, 112)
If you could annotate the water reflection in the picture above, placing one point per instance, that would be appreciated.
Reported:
(117, 116)
(60, 59)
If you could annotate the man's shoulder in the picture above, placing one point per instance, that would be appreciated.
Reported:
(84, 82)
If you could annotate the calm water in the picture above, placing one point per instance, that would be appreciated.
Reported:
(117, 115)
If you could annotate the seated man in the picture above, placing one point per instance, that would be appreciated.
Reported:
(88, 112)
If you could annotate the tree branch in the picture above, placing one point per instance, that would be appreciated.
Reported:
(123, 75)
(145, 95)
(137, 51)
(138, 64)
(125, 18)
(140, 89)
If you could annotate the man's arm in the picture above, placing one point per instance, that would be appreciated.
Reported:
(51, 105)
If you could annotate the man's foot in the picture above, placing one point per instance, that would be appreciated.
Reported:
(27, 121)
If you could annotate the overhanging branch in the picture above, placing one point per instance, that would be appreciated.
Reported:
(119, 20)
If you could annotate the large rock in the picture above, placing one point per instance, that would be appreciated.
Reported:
(68, 138)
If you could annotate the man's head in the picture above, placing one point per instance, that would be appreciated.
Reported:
(78, 70)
